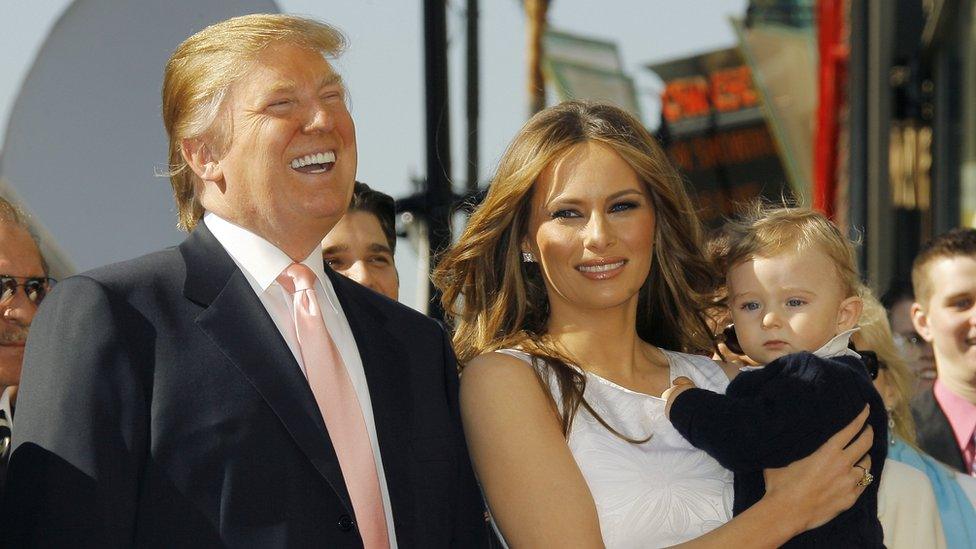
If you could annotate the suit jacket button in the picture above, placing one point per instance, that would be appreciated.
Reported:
(346, 523)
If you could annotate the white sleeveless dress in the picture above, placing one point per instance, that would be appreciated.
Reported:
(656, 494)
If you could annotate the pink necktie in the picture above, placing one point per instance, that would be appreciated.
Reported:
(337, 400)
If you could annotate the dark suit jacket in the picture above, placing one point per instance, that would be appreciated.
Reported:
(160, 406)
(935, 434)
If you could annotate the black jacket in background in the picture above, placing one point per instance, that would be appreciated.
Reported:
(935, 435)
(773, 416)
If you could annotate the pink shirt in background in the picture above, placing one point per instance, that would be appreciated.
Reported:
(962, 417)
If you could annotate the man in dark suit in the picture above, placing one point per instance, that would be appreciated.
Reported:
(944, 314)
(934, 432)
(231, 391)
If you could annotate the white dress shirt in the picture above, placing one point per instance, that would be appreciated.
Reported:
(7, 406)
(262, 262)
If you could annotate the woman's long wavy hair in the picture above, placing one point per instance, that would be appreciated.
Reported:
(495, 301)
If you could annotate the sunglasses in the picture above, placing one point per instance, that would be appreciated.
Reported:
(35, 288)
(872, 362)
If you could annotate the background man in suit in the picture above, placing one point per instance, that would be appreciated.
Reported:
(944, 314)
(23, 284)
(232, 391)
(362, 243)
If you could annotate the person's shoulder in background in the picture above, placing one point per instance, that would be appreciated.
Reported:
(907, 508)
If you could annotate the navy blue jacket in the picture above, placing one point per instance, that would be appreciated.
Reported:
(773, 416)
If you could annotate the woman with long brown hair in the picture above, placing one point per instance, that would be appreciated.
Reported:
(575, 291)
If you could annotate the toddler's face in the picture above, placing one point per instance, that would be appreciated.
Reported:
(788, 303)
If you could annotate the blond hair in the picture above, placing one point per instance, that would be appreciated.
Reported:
(13, 215)
(199, 74)
(764, 231)
(495, 301)
(875, 335)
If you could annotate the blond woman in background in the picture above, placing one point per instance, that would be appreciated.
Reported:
(928, 510)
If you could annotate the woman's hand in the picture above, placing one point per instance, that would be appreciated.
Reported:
(820, 486)
(725, 354)
(803, 495)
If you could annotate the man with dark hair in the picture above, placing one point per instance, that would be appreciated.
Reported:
(23, 284)
(362, 243)
(944, 314)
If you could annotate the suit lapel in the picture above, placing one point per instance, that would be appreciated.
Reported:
(239, 325)
(935, 432)
(389, 389)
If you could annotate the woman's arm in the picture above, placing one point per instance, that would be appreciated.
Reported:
(535, 490)
(539, 497)
(802, 495)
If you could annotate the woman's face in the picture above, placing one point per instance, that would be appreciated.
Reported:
(591, 228)
(916, 351)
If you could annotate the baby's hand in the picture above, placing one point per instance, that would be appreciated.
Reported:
(681, 384)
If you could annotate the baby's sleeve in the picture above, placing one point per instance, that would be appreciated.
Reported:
(730, 429)
(770, 417)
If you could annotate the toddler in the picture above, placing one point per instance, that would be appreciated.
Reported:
(793, 295)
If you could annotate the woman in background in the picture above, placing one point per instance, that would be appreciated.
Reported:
(916, 353)
(904, 508)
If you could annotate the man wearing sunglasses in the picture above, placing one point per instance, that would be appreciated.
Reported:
(23, 284)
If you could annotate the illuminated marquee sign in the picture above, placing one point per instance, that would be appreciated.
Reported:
(715, 133)
(724, 90)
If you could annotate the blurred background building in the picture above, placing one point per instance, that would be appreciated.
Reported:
(895, 126)
(864, 109)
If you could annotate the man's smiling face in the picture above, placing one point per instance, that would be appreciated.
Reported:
(290, 161)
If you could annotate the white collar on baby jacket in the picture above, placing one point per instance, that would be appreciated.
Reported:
(838, 345)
